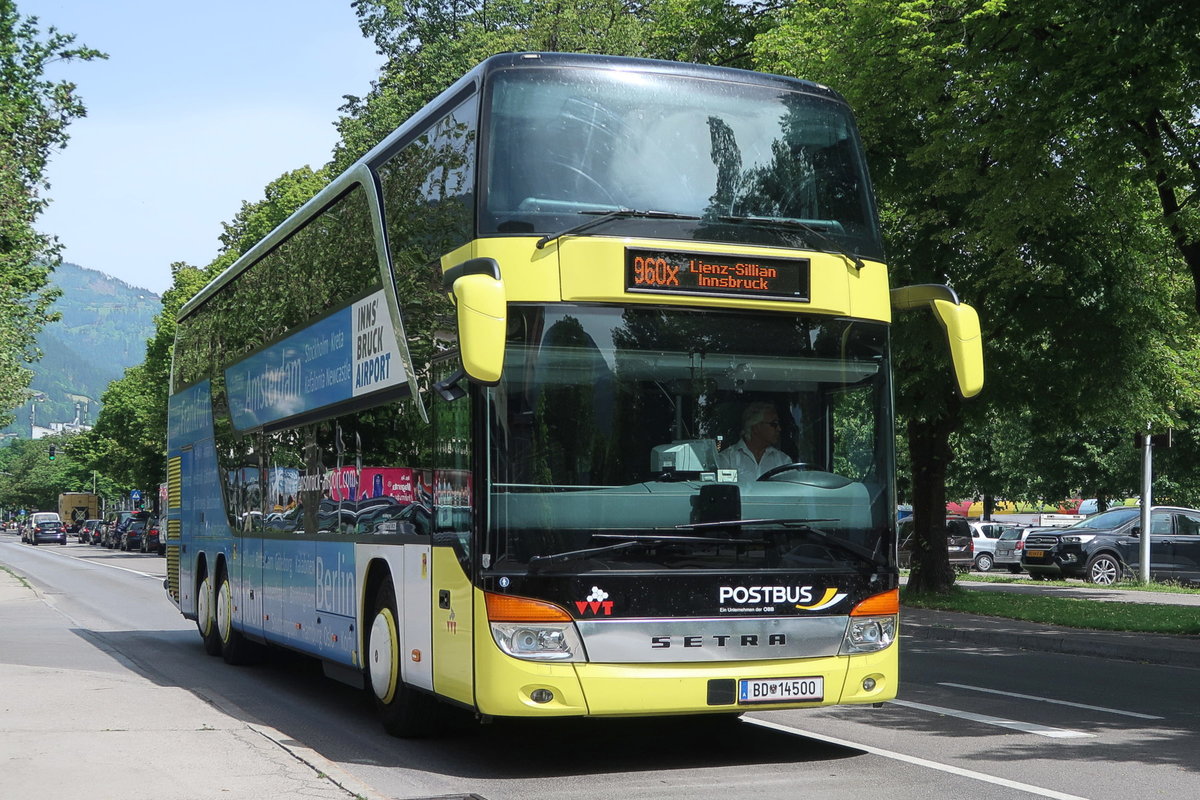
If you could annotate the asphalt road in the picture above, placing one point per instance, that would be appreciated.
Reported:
(972, 720)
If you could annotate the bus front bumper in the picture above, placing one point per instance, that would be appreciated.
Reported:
(511, 687)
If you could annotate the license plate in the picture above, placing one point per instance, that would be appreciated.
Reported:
(1036, 553)
(781, 690)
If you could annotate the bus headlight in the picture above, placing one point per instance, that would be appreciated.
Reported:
(868, 634)
(540, 641)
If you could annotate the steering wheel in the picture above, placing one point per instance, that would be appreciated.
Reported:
(797, 465)
(586, 178)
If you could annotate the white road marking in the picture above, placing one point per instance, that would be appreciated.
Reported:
(1048, 700)
(1023, 727)
(96, 563)
(920, 762)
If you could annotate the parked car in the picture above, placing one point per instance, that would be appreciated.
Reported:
(985, 536)
(1009, 547)
(133, 533)
(1106, 548)
(111, 536)
(152, 541)
(959, 544)
(86, 529)
(47, 531)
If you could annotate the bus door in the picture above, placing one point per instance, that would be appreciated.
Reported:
(453, 491)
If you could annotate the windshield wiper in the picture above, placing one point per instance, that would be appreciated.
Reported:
(803, 526)
(643, 542)
(733, 523)
(830, 246)
(605, 216)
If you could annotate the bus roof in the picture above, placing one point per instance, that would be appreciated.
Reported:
(361, 170)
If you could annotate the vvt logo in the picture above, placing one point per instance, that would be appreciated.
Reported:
(596, 603)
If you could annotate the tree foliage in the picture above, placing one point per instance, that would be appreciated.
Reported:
(985, 140)
(34, 114)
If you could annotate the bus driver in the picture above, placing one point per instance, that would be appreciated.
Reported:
(756, 452)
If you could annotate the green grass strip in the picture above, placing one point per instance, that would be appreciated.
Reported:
(1159, 588)
(1096, 615)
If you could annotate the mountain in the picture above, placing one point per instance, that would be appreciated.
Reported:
(104, 327)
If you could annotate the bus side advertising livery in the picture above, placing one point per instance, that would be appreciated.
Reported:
(572, 397)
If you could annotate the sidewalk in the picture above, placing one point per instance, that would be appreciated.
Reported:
(949, 626)
(76, 722)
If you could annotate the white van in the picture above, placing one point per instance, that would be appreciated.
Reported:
(44, 526)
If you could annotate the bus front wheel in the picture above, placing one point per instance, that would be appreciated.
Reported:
(404, 711)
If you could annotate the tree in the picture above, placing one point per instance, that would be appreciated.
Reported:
(34, 481)
(431, 43)
(34, 114)
(1008, 199)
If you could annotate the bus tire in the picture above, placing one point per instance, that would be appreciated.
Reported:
(404, 711)
(235, 649)
(206, 621)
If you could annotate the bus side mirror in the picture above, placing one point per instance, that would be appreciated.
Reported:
(482, 317)
(961, 324)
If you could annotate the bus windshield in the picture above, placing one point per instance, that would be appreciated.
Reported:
(620, 441)
(746, 162)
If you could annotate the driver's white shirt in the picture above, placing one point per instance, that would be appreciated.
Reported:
(739, 457)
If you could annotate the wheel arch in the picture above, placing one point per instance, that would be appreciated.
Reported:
(200, 571)
(377, 572)
(1108, 550)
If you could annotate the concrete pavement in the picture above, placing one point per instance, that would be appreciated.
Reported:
(76, 722)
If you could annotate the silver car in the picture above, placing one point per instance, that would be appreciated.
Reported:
(986, 536)
(1009, 547)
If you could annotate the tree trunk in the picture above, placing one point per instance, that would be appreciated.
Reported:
(929, 445)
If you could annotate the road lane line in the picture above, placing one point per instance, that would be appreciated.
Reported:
(94, 562)
(1023, 727)
(1048, 700)
(920, 762)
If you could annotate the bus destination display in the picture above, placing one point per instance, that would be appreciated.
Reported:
(670, 272)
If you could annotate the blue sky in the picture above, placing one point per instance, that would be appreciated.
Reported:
(197, 109)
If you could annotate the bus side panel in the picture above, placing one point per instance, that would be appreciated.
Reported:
(416, 616)
(203, 530)
(410, 567)
(336, 602)
(453, 629)
(247, 565)
(290, 590)
(309, 596)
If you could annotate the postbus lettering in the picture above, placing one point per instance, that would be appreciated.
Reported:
(752, 595)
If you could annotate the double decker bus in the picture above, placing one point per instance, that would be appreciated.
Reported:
(488, 421)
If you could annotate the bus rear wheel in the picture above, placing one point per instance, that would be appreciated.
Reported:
(206, 621)
(234, 647)
(404, 711)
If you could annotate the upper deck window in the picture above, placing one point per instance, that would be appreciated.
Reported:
(565, 141)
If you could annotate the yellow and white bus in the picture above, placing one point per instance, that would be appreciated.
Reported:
(570, 398)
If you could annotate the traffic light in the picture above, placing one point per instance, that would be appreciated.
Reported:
(53, 450)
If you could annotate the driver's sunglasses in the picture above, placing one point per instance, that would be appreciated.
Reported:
(772, 424)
